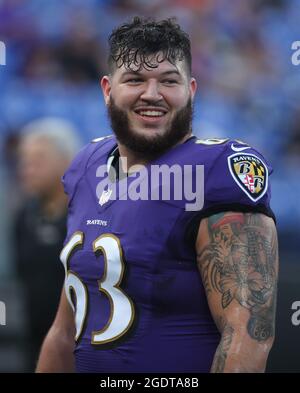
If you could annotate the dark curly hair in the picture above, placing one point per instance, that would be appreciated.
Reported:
(145, 43)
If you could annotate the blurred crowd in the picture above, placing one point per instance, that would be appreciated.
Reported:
(248, 87)
(56, 53)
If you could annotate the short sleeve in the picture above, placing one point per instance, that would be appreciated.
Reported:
(238, 179)
(239, 176)
(75, 171)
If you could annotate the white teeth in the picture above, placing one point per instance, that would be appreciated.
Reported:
(151, 113)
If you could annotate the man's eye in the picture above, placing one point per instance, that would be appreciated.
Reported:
(134, 80)
(170, 81)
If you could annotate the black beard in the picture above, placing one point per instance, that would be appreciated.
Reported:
(147, 147)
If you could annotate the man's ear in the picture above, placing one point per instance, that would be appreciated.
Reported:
(193, 87)
(106, 88)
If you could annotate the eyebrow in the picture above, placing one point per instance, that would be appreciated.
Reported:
(163, 73)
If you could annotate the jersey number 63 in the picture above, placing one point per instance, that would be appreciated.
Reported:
(121, 306)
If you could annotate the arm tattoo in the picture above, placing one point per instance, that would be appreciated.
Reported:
(222, 350)
(240, 264)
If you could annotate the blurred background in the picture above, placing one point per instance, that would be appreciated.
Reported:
(51, 104)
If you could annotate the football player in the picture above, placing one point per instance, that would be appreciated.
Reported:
(157, 281)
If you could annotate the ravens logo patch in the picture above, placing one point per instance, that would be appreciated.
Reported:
(250, 173)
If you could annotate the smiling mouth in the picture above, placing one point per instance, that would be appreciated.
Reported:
(151, 115)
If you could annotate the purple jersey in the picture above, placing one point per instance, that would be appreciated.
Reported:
(131, 273)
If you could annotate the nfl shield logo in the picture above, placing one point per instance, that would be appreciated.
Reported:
(250, 173)
(105, 196)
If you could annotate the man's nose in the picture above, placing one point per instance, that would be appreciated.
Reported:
(151, 92)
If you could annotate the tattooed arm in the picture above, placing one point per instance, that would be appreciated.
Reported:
(237, 255)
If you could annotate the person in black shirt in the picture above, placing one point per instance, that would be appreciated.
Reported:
(46, 149)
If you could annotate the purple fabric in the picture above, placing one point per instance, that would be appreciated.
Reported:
(173, 330)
